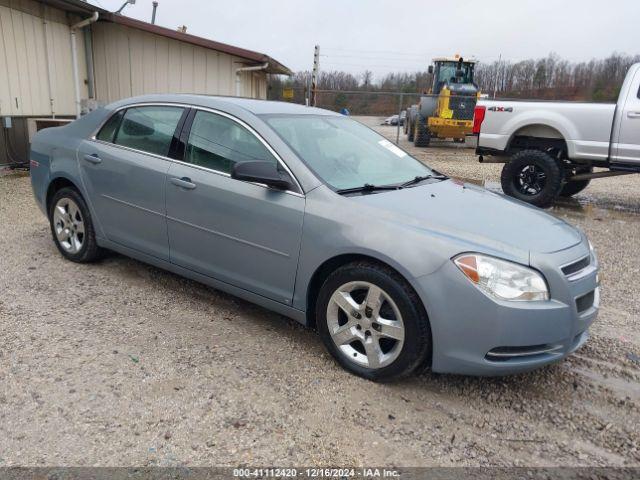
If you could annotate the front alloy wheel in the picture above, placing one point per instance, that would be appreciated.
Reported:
(365, 324)
(372, 321)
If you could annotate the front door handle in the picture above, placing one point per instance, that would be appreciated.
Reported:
(93, 158)
(633, 114)
(184, 182)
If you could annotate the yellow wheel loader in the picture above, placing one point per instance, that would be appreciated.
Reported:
(446, 111)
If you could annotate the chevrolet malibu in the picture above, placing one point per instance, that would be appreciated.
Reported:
(315, 216)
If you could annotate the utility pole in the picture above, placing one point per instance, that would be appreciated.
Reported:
(495, 84)
(314, 75)
(153, 14)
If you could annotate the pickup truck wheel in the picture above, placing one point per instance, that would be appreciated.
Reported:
(421, 134)
(571, 188)
(533, 177)
(373, 322)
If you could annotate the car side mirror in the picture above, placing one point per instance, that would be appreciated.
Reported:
(261, 172)
(430, 70)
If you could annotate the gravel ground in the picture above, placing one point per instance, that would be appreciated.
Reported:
(120, 363)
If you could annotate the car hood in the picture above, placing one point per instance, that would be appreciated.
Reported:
(474, 215)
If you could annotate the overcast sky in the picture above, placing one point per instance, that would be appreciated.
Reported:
(386, 35)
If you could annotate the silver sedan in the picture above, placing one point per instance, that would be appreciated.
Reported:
(317, 217)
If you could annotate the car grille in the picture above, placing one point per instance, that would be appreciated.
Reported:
(575, 267)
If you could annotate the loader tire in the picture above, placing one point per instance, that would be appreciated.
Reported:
(421, 134)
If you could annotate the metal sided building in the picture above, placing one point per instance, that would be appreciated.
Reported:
(59, 58)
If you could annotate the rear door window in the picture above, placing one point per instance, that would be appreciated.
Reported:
(108, 130)
(149, 129)
(218, 143)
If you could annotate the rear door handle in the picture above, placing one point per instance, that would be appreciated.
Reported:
(184, 182)
(93, 158)
(633, 114)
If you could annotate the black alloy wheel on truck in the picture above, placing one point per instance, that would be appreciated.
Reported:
(534, 177)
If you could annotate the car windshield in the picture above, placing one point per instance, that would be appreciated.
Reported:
(344, 153)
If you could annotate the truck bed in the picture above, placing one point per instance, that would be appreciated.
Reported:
(586, 127)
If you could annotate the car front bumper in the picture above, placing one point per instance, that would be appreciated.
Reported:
(477, 335)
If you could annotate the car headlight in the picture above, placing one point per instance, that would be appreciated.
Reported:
(501, 279)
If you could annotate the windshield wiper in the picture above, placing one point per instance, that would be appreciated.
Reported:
(367, 187)
(421, 178)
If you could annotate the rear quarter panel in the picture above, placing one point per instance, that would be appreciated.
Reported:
(586, 127)
(53, 155)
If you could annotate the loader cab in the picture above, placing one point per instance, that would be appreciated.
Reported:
(450, 72)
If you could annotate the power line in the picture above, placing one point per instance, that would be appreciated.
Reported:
(423, 60)
(376, 56)
(373, 52)
(375, 65)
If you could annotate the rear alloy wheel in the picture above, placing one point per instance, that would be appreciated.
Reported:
(372, 322)
(533, 177)
(68, 225)
(72, 228)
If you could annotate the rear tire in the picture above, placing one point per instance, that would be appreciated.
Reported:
(422, 136)
(570, 189)
(390, 349)
(72, 227)
(533, 177)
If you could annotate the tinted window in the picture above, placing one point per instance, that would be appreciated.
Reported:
(108, 130)
(149, 129)
(217, 142)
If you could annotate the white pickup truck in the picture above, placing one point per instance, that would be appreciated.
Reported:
(550, 148)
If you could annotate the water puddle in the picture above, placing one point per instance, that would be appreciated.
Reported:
(582, 207)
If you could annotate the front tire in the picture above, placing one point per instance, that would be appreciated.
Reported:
(533, 177)
(372, 322)
(570, 188)
(72, 228)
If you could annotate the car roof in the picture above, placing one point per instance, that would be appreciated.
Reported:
(257, 107)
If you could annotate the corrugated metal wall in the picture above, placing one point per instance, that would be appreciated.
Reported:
(36, 73)
(131, 62)
(35, 43)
